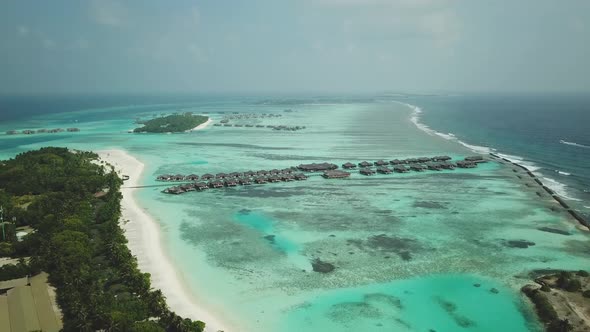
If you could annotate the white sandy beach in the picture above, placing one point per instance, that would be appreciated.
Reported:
(203, 125)
(143, 234)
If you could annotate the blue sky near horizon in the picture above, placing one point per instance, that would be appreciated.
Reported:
(133, 46)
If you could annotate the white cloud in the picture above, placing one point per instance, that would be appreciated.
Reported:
(108, 12)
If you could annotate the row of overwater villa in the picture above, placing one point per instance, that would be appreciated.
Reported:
(42, 131)
(328, 170)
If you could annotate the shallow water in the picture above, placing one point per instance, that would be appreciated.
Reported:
(404, 246)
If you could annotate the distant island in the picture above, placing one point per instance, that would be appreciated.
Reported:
(172, 123)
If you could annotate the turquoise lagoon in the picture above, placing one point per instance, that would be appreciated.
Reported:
(413, 252)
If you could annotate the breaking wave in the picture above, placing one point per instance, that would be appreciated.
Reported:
(558, 187)
(574, 144)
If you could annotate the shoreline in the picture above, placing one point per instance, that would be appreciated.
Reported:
(144, 242)
(202, 125)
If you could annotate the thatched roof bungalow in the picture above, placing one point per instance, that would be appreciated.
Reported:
(348, 165)
(261, 180)
(200, 186)
(366, 171)
(466, 164)
(396, 162)
(417, 167)
(441, 158)
(192, 177)
(365, 164)
(400, 169)
(384, 170)
(475, 159)
(317, 167)
(178, 177)
(220, 176)
(300, 177)
(381, 163)
(207, 176)
(335, 174)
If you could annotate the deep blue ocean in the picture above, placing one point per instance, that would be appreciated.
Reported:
(550, 134)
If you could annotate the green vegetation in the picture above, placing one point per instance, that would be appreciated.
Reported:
(568, 282)
(545, 310)
(78, 241)
(172, 123)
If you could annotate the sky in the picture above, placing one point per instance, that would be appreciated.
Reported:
(239, 46)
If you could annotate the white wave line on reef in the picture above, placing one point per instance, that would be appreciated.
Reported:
(574, 144)
(558, 187)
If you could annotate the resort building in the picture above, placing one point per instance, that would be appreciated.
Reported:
(335, 174)
(466, 164)
(441, 158)
(348, 166)
(28, 304)
(417, 167)
(396, 162)
(366, 171)
(400, 169)
(317, 167)
(475, 159)
(192, 177)
(384, 170)
(207, 176)
(300, 177)
(365, 164)
(381, 163)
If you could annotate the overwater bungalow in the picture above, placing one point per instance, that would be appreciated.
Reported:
(475, 159)
(274, 171)
(274, 178)
(249, 173)
(424, 159)
(174, 191)
(434, 166)
(164, 177)
(220, 176)
(417, 167)
(238, 125)
(348, 166)
(231, 183)
(178, 177)
(466, 164)
(227, 125)
(384, 170)
(441, 158)
(270, 126)
(245, 181)
(367, 171)
(261, 180)
(28, 132)
(317, 167)
(401, 169)
(192, 177)
(217, 124)
(262, 173)
(207, 176)
(11, 132)
(187, 187)
(396, 162)
(224, 121)
(287, 170)
(249, 125)
(200, 186)
(287, 177)
(381, 163)
(365, 164)
(300, 177)
(216, 184)
(235, 174)
(411, 161)
(39, 131)
(335, 174)
(259, 126)
(73, 130)
(447, 165)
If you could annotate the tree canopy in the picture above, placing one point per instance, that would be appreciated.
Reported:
(78, 241)
(172, 123)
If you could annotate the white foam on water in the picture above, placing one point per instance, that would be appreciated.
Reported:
(562, 173)
(574, 144)
(558, 187)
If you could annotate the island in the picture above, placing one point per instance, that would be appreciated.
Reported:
(59, 218)
(561, 300)
(175, 123)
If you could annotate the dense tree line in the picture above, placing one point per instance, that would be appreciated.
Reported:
(78, 241)
(172, 123)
